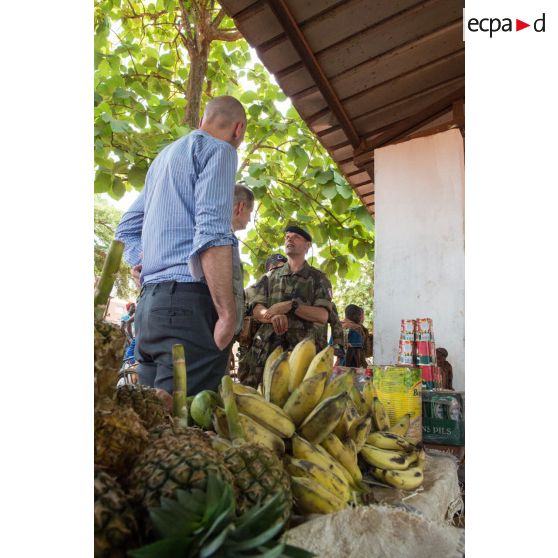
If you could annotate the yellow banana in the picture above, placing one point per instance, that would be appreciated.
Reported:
(305, 397)
(369, 392)
(350, 416)
(402, 425)
(345, 453)
(303, 449)
(272, 357)
(339, 384)
(381, 418)
(387, 459)
(258, 434)
(379, 473)
(311, 497)
(304, 468)
(410, 479)
(360, 432)
(322, 362)
(267, 414)
(358, 400)
(220, 444)
(276, 385)
(389, 441)
(239, 388)
(219, 420)
(323, 419)
(299, 361)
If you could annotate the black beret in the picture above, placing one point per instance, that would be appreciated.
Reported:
(298, 230)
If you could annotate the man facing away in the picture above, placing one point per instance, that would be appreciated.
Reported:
(179, 230)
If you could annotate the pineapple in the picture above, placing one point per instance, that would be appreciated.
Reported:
(258, 476)
(145, 402)
(116, 528)
(172, 462)
(119, 437)
(108, 346)
(204, 523)
(258, 473)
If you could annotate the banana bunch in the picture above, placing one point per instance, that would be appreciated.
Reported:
(394, 459)
(320, 426)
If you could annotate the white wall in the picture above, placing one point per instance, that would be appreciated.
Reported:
(420, 244)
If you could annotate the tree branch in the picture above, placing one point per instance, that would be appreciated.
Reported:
(301, 191)
(228, 35)
(218, 19)
(190, 43)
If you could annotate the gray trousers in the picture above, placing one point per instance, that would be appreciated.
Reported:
(169, 313)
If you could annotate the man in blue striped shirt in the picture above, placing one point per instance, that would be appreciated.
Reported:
(179, 231)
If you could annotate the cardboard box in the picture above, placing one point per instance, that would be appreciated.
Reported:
(443, 417)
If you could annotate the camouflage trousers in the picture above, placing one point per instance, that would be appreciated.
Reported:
(251, 360)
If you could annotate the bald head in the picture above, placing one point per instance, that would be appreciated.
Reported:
(223, 111)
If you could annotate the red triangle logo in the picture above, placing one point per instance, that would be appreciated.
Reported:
(519, 25)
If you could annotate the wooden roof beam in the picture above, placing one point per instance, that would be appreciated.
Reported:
(365, 154)
(289, 24)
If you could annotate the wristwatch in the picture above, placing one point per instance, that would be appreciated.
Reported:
(294, 305)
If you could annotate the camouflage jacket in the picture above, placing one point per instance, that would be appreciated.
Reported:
(308, 286)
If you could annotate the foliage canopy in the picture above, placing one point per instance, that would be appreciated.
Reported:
(144, 79)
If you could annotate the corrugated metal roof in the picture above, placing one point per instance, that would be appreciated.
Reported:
(361, 73)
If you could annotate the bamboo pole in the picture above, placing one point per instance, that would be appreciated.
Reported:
(108, 275)
(180, 408)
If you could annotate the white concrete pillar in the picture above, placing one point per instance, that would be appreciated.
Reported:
(420, 244)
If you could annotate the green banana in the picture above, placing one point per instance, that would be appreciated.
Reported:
(267, 414)
(301, 356)
(312, 497)
(323, 419)
(276, 384)
(304, 398)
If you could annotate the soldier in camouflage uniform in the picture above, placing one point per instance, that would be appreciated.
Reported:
(250, 325)
(291, 302)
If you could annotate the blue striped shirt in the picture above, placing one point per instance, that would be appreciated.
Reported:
(184, 208)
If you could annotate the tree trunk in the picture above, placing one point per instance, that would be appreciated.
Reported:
(196, 77)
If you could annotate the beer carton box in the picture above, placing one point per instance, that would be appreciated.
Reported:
(443, 417)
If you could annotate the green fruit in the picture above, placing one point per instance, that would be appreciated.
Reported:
(202, 407)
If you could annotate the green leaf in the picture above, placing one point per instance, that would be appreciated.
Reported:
(118, 189)
(119, 125)
(324, 177)
(329, 190)
(340, 205)
(165, 548)
(167, 60)
(365, 218)
(136, 176)
(102, 182)
(345, 190)
(140, 119)
(248, 97)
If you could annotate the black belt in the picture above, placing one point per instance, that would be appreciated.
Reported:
(174, 286)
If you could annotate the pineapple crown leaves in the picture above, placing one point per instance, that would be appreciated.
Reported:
(203, 524)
